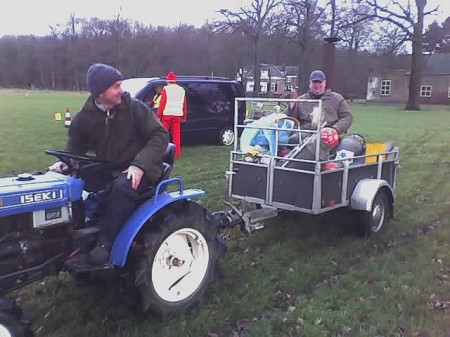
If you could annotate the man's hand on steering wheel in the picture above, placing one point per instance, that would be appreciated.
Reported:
(59, 167)
(70, 162)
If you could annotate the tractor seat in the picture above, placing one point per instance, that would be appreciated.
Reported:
(168, 163)
(169, 154)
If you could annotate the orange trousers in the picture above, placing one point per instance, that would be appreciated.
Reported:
(173, 125)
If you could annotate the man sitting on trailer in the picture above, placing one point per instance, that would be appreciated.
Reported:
(336, 116)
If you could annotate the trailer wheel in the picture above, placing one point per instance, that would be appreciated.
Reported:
(181, 259)
(375, 220)
(11, 326)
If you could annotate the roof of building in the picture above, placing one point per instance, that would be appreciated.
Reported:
(437, 64)
(270, 68)
(288, 70)
(434, 64)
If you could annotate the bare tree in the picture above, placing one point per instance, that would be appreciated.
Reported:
(119, 29)
(409, 19)
(253, 22)
(59, 61)
(72, 50)
(303, 19)
(390, 40)
(355, 26)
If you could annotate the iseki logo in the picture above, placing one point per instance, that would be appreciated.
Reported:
(41, 196)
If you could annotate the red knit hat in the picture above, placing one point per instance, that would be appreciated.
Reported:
(172, 77)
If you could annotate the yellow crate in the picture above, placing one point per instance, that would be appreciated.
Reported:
(375, 148)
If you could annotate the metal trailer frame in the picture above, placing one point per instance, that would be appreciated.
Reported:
(275, 186)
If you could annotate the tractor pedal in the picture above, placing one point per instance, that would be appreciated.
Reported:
(80, 264)
(85, 232)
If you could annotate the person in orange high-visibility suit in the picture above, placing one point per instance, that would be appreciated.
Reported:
(172, 110)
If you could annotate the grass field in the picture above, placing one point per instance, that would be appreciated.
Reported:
(300, 276)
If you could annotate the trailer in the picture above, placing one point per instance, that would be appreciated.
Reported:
(268, 169)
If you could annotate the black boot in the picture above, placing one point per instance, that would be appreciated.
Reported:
(99, 255)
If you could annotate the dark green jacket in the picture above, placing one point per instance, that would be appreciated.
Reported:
(130, 135)
(336, 112)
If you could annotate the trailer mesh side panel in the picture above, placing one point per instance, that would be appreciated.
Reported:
(355, 174)
(331, 189)
(293, 188)
(388, 172)
(249, 180)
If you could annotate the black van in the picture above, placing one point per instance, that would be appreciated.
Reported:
(210, 102)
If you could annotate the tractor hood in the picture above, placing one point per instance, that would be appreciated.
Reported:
(27, 192)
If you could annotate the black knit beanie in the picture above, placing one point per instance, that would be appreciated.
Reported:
(100, 77)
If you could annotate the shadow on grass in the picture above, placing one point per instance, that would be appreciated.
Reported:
(333, 224)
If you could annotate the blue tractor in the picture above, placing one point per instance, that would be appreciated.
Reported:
(164, 256)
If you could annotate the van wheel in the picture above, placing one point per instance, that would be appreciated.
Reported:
(226, 136)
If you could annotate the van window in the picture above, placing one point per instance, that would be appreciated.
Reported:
(214, 97)
(149, 92)
(210, 105)
(148, 97)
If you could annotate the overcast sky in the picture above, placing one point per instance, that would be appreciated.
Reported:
(24, 17)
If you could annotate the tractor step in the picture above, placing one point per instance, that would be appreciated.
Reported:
(80, 264)
(85, 232)
(85, 238)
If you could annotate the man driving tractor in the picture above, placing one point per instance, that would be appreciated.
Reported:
(122, 131)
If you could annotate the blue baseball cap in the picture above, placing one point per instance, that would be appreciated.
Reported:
(317, 75)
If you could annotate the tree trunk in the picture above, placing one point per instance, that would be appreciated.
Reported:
(256, 68)
(52, 73)
(416, 60)
(328, 64)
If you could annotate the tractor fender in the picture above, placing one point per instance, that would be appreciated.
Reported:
(365, 191)
(134, 223)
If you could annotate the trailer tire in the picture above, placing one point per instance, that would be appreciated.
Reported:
(375, 220)
(184, 248)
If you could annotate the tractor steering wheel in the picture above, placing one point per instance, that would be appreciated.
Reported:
(74, 161)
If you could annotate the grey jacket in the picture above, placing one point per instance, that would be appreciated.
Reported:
(130, 135)
(336, 112)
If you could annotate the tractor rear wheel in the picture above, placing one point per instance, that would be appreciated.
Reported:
(180, 260)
